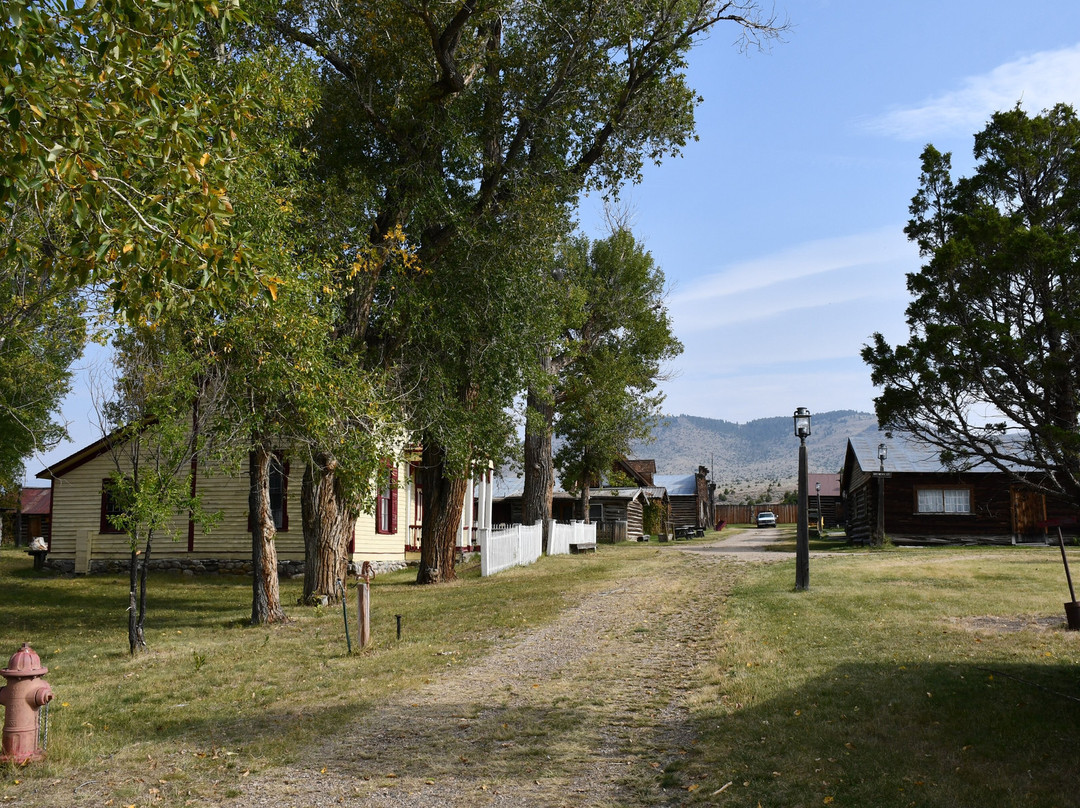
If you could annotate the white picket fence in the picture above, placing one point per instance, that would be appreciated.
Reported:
(561, 536)
(514, 546)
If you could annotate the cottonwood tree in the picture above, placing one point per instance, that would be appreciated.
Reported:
(463, 379)
(441, 120)
(991, 369)
(599, 377)
(115, 162)
(116, 152)
(295, 395)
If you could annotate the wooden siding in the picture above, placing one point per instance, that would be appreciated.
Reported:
(634, 520)
(28, 526)
(368, 545)
(747, 514)
(77, 520)
(77, 517)
(991, 516)
(684, 511)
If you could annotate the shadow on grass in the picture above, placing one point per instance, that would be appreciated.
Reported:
(898, 735)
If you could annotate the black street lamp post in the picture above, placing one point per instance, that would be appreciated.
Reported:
(802, 535)
(879, 533)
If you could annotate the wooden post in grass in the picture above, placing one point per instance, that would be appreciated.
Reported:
(363, 603)
(1072, 608)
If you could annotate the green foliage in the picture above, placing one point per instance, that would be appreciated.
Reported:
(653, 517)
(995, 316)
(608, 388)
(471, 130)
(117, 158)
(116, 163)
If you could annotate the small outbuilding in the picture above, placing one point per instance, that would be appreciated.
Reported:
(691, 497)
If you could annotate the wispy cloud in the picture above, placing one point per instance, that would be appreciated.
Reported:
(1038, 82)
(805, 276)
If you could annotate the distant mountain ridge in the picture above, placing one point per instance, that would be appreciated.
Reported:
(748, 459)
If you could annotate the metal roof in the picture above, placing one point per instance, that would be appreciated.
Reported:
(629, 492)
(505, 484)
(830, 483)
(36, 501)
(677, 485)
(905, 454)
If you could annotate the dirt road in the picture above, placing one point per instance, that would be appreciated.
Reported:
(749, 545)
(587, 711)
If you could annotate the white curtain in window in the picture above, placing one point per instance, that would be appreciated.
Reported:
(957, 500)
(930, 500)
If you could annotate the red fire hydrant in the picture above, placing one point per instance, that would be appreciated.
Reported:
(22, 696)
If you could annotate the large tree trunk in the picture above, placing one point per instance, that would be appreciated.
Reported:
(539, 469)
(443, 498)
(328, 522)
(266, 596)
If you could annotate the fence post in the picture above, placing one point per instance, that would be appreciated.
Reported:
(364, 607)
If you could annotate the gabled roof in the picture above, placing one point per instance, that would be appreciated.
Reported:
(629, 492)
(505, 483)
(641, 471)
(35, 501)
(84, 455)
(677, 485)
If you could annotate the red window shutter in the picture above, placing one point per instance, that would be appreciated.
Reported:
(393, 501)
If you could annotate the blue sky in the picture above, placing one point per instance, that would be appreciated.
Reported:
(781, 229)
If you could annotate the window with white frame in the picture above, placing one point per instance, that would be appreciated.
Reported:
(944, 500)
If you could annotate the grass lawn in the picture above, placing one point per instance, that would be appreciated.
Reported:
(214, 696)
(933, 677)
(930, 677)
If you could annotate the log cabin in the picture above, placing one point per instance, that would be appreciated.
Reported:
(921, 501)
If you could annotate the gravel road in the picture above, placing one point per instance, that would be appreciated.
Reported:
(586, 711)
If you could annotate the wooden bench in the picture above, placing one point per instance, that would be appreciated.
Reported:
(583, 547)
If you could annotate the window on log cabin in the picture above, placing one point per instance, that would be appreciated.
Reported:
(944, 500)
(386, 502)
